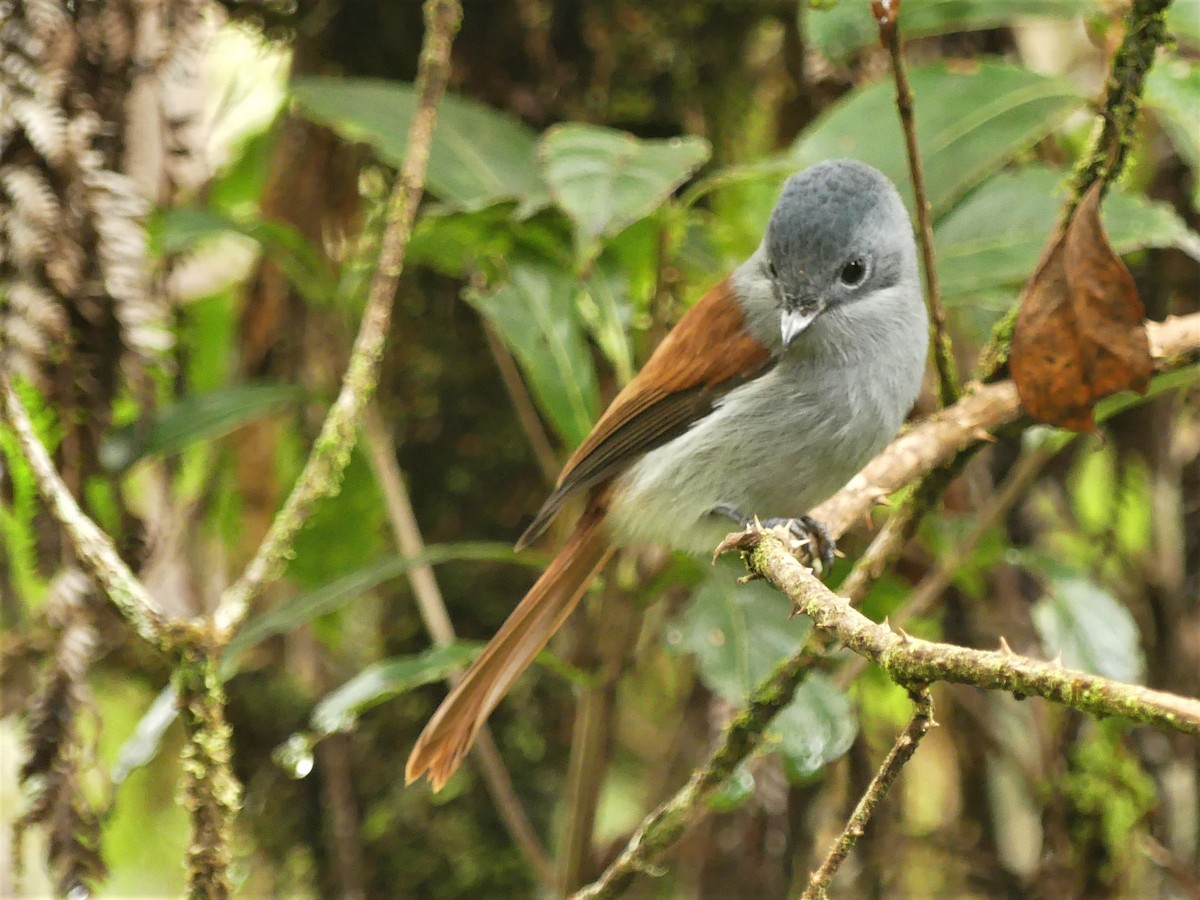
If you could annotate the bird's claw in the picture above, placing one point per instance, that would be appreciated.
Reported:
(819, 545)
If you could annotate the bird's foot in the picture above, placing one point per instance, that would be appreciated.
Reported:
(816, 540)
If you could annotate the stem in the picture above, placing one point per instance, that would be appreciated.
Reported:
(902, 751)
(211, 793)
(432, 607)
(887, 17)
(327, 462)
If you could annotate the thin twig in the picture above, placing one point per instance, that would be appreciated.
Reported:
(902, 751)
(432, 608)
(523, 405)
(666, 824)
(94, 548)
(326, 463)
(616, 624)
(887, 17)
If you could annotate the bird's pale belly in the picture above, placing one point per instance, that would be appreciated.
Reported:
(732, 458)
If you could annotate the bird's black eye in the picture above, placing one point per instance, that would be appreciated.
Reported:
(853, 272)
(771, 270)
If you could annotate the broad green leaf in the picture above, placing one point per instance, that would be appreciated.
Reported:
(202, 417)
(534, 312)
(479, 156)
(1173, 92)
(842, 30)
(995, 237)
(738, 633)
(1183, 21)
(340, 709)
(606, 311)
(969, 123)
(325, 599)
(817, 727)
(605, 180)
(1091, 629)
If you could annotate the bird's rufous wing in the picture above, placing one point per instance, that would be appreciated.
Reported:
(709, 352)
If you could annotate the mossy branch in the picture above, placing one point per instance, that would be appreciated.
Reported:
(322, 473)
(211, 793)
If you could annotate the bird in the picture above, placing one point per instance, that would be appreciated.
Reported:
(766, 397)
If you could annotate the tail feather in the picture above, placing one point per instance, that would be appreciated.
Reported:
(450, 733)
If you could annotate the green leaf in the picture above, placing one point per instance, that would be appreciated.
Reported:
(1173, 92)
(325, 599)
(1091, 629)
(995, 237)
(201, 417)
(816, 728)
(738, 633)
(1183, 21)
(842, 30)
(606, 311)
(534, 312)
(182, 228)
(605, 180)
(340, 709)
(479, 156)
(969, 123)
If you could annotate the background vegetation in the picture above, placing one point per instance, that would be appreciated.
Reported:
(594, 169)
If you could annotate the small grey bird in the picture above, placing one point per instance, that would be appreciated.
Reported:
(768, 395)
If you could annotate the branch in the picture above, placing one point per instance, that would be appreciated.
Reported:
(322, 472)
(432, 608)
(887, 17)
(912, 661)
(95, 549)
(902, 751)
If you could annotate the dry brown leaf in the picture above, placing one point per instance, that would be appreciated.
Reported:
(1080, 334)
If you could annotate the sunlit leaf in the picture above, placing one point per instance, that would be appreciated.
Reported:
(479, 156)
(142, 746)
(201, 417)
(1091, 629)
(1183, 21)
(1173, 93)
(841, 30)
(969, 123)
(534, 312)
(605, 180)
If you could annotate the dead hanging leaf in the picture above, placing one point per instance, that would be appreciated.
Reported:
(1080, 334)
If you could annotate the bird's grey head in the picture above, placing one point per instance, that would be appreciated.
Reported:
(839, 234)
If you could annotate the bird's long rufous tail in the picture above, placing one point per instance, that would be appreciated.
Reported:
(449, 734)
